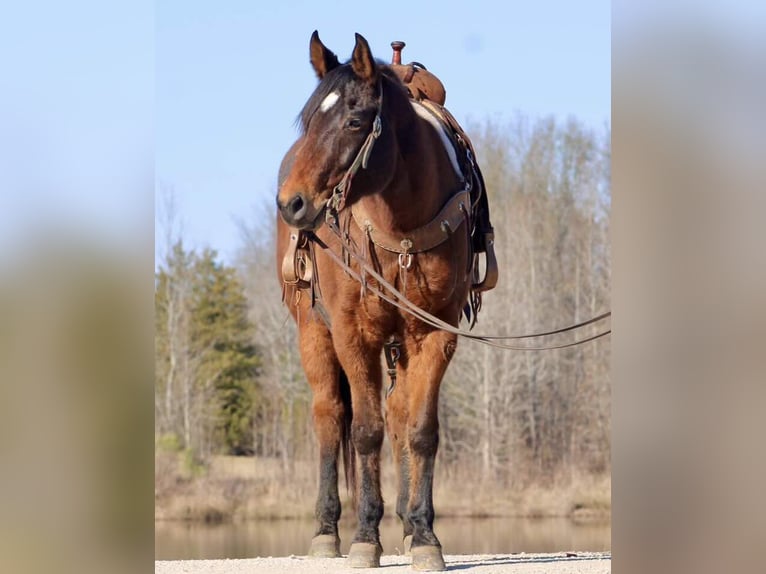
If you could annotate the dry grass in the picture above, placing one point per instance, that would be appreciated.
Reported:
(240, 488)
(231, 488)
(579, 495)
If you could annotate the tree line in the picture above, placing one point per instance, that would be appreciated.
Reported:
(207, 363)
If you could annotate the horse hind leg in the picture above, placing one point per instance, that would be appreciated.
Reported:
(331, 414)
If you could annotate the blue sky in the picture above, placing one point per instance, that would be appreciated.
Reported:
(76, 113)
(231, 77)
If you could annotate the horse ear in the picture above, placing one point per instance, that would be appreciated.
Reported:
(362, 61)
(322, 59)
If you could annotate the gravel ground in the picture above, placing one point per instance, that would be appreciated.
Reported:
(581, 563)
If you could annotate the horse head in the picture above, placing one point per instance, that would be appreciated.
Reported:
(340, 123)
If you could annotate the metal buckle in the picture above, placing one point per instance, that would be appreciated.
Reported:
(405, 260)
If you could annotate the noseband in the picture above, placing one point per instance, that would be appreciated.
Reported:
(339, 193)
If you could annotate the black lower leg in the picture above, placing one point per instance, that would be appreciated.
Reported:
(423, 445)
(328, 501)
(370, 500)
(421, 513)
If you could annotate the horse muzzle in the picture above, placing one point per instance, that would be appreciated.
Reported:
(301, 213)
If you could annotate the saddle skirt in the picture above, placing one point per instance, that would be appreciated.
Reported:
(428, 92)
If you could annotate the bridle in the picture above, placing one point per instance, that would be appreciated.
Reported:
(337, 200)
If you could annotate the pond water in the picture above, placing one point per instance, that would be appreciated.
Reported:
(184, 540)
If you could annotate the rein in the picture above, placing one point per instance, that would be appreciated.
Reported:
(398, 300)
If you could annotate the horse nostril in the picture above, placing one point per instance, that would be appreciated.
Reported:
(295, 210)
(297, 205)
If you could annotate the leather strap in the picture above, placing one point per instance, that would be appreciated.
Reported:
(424, 238)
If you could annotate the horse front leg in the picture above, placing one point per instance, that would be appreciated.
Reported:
(323, 374)
(360, 359)
(396, 423)
(429, 356)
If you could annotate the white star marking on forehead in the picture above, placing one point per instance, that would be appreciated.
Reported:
(329, 101)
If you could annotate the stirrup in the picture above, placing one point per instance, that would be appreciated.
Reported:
(297, 267)
(490, 273)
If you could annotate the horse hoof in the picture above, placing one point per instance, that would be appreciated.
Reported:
(407, 544)
(325, 546)
(364, 555)
(427, 558)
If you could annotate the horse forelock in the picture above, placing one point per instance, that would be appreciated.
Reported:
(334, 82)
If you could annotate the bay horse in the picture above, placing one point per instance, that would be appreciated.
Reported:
(407, 175)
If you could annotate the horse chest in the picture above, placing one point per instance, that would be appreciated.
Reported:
(432, 282)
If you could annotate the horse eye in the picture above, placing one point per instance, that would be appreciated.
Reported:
(353, 124)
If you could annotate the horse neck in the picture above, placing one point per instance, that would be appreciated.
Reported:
(423, 179)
